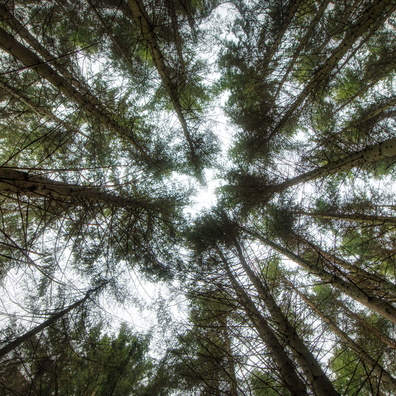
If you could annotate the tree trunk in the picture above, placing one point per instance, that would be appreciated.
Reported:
(373, 15)
(287, 370)
(363, 323)
(86, 100)
(320, 383)
(50, 321)
(354, 273)
(358, 218)
(143, 21)
(230, 359)
(302, 43)
(290, 12)
(370, 154)
(18, 182)
(24, 33)
(40, 110)
(376, 304)
(360, 352)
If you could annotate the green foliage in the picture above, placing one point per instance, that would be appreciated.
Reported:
(84, 362)
(264, 385)
(104, 104)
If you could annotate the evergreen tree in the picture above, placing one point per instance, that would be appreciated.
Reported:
(106, 133)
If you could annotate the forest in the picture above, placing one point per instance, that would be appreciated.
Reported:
(197, 197)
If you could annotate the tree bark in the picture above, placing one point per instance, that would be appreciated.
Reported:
(24, 33)
(143, 21)
(377, 369)
(319, 381)
(383, 308)
(302, 43)
(18, 182)
(372, 153)
(40, 110)
(50, 321)
(86, 100)
(374, 14)
(363, 323)
(358, 218)
(354, 273)
(287, 370)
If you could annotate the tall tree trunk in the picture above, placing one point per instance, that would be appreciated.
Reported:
(287, 370)
(363, 323)
(373, 16)
(40, 110)
(230, 358)
(50, 321)
(372, 153)
(18, 182)
(388, 311)
(85, 99)
(116, 44)
(352, 272)
(302, 43)
(142, 19)
(377, 113)
(358, 218)
(252, 190)
(320, 383)
(290, 12)
(24, 33)
(360, 352)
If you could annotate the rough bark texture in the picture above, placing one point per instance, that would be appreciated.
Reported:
(89, 103)
(388, 311)
(23, 183)
(287, 370)
(24, 33)
(319, 381)
(377, 369)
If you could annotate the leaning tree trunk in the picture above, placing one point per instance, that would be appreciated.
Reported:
(363, 323)
(230, 359)
(23, 183)
(40, 110)
(253, 191)
(19, 28)
(373, 16)
(85, 99)
(357, 218)
(386, 310)
(320, 383)
(372, 153)
(49, 322)
(302, 42)
(143, 21)
(359, 351)
(289, 13)
(351, 272)
(287, 370)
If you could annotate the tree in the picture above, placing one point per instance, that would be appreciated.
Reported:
(82, 361)
(287, 285)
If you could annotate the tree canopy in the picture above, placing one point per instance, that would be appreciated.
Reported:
(116, 115)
